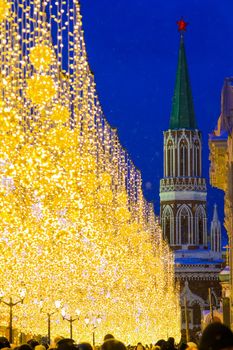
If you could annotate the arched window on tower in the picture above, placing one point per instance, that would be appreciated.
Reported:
(200, 218)
(196, 160)
(183, 158)
(184, 219)
(167, 223)
(170, 158)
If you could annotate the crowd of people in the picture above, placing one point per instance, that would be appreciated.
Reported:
(216, 336)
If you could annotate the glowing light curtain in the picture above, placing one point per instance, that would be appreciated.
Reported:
(74, 225)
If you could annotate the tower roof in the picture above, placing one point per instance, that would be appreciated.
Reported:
(182, 115)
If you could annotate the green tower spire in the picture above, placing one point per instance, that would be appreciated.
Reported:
(182, 115)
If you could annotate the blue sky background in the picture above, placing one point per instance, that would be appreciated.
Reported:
(132, 47)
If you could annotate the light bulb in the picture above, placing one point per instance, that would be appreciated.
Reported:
(22, 293)
(78, 312)
(57, 304)
(63, 312)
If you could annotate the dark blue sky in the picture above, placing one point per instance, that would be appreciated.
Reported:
(132, 47)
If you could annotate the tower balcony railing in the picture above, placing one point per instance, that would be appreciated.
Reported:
(182, 184)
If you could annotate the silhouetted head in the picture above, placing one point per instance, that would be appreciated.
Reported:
(171, 343)
(33, 343)
(216, 336)
(4, 343)
(66, 344)
(57, 339)
(83, 346)
(108, 336)
(160, 342)
(25, 347)
(113, 344)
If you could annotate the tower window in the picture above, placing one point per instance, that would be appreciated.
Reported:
(167, 224)
(196, 160)
(170, 159)
(183, 158)
(184, 225)
(200, 217)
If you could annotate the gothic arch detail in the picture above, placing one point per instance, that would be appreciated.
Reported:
(168, 224)
(183, 190)
(195, 305)
(183, 156)
(170, 156)
(196, 158)
(215, 299)
(200, 225)
(184, 220)
(192, 298)
(197, 155)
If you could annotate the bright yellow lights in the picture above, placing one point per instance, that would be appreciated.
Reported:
(4, 9)
(8, 118)
(40, 89)
(41, 57)
(74, 224)
(60, 114)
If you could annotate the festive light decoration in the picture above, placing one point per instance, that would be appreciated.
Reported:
(41, 89)
(60, 114)
(41, 57)
(4, 9)
(74, 224)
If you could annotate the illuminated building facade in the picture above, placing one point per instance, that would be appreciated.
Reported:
(221, 157)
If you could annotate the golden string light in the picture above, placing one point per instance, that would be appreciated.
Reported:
(75, 226)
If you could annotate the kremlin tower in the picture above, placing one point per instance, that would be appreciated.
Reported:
(183, 204)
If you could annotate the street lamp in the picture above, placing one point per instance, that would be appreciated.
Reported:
(49, 314)
(95, 321)
(11, 304)
(70, 319)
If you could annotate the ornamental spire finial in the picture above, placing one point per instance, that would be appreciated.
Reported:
(182, 25)
(182, 115)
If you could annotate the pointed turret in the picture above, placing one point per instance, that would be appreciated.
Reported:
(215, 233)
(225, 121)
(215, 215)
(183, 205)
(182, 115)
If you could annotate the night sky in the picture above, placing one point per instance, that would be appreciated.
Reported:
(132, 47)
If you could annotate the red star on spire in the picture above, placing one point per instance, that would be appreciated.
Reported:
(182, 25)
